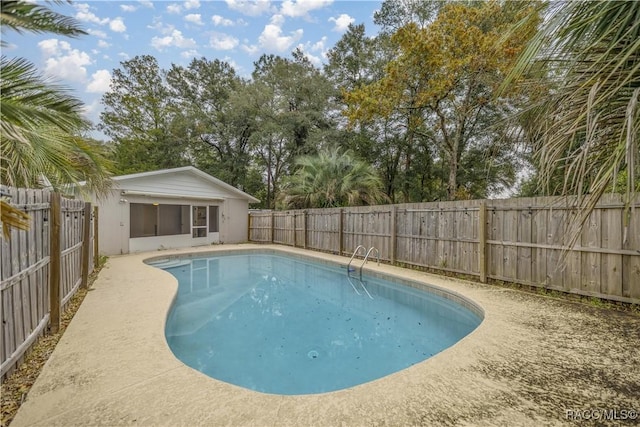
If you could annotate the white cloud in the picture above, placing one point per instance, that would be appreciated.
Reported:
(98, 33)
(194, 18)
(342, 22)
(161, 27)
(174, 8)
(237, 67)
(100, 81)
(128, 8)
(124, 55)
(251, 8)
(50, 47)
(117, 25)
(251, 49)
(64, 62)
(85, 15)
(89, 110)
(222, 41)
(192, 4)
(176, 39)
(146, 3)
(272, 38)
(319, 47)
(103, 44)
(191, 53)
(297, 8)
(277, 20)
(315, 60)
(220, 21)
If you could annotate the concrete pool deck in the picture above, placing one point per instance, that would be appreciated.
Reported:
(532, 360)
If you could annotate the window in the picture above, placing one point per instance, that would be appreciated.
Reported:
(199, 221)
(213, 219)
(158, 220)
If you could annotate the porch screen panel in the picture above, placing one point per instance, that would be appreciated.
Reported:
(174, 219)
(159, 220)
(143, 220)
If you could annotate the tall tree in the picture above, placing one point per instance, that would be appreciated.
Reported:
(41, 123)
(216, 113)
(357, 61)
(332, 178)
(442, 84)
(587, 130)
(395, 14)
(294, 120)
(138, 116)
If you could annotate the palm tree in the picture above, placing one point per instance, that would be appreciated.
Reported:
(331, 179)
(587, 131)
(41, 123)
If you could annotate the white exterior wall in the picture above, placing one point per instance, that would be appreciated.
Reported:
(113, 225)
(235, 221)
(175, 188)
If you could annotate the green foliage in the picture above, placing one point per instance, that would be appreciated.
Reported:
(23, 16)
(585, 133)
(439, 89)
(215, 115)
(138, 116)
(331, 178)
(41, 123)
(294, 117)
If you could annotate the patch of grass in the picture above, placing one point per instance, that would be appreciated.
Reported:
(16, 386)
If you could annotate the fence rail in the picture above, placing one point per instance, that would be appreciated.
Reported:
(522, 241)
(38, 277)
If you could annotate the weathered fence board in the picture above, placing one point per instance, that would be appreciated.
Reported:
(525, 240)
(25, 273)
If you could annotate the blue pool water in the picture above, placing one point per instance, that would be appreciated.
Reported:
(287, 326)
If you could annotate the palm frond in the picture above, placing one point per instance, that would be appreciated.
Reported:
(21, 16)
(12, 217)
(588, 128)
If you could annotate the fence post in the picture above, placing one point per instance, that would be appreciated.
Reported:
(482, 236)
(249, 227)
(392, 246)
(304, 229)
(272, 226)
(96, 246)
(86, 244)
(294, 230)
(54, 263)
(341, 233)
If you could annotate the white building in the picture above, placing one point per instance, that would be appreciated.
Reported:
(171, 208)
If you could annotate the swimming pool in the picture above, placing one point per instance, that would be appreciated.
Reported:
(286, 325)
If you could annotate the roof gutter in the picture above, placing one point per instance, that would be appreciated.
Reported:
(168, 195)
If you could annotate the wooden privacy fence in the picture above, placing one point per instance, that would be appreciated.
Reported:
(42, 268)
(520, 241)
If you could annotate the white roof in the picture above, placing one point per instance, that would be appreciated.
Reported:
(123, 179)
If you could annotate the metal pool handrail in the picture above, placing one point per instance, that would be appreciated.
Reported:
(355, 252)
(365, 259)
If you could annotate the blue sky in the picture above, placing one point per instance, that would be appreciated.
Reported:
(237, 31)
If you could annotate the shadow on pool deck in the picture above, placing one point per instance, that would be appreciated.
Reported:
(531, 361)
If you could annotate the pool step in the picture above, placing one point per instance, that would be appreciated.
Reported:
(171, 263)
